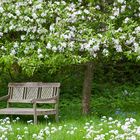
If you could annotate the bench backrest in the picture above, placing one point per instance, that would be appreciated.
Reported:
(25, 92)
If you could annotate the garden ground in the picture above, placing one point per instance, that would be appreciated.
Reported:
(72, 126)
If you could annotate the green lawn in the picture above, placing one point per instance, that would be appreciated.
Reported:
(91, 128)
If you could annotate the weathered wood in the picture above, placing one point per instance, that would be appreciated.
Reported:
(4, 97)
(34, 84)
(27, 111)
(19, 101)
(35, 113)
(34, 93)
(56, 105)
(49, 100)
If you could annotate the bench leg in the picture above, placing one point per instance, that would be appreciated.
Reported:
(35, 119)
(35, 114)
(56, 117)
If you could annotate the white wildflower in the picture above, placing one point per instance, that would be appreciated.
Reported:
(1, 34)
(47, 132)
(126, 20)
(60, 128)
(54, 48)
(118, 48)
(123, 8)
(112, 17)
(22, 37)
(34, 136)
(116, 11)
(30, 121)
(18, 129)
(39, 51)
(46, 116)
(48, 45)
(13, 52)
(52, 28)
(86, 11)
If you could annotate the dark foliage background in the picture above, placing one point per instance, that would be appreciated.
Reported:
(115, 90)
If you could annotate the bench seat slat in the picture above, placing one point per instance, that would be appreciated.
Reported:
(26, 111)
(53, 101)
(19, 101)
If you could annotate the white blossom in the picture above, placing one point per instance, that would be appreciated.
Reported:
(97, 7)
(40, 56)
(96, 48)
(120, 1)
(3, 48)
(43, 14)
(34, 15)
(39, 50)
(105, 52)
(17, 12)
(118, 48)
(22, 37)
(80, 1)
(1, 10)
(1, 34)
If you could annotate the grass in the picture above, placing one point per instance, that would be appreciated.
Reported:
(72, 126)
(91, 128)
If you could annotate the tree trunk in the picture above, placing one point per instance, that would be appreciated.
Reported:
(87, 87)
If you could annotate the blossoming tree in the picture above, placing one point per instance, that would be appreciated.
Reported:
(34, 33)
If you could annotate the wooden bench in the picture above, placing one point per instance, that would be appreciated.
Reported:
(33, 93)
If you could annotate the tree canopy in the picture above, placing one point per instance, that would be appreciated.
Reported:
(56, 33)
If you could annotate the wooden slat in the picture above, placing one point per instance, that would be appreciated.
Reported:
(48, 100)
(26, 111)
(4, 97)
(52, 101)
(54, 91)
(24, 84)
(19, 101)
(34, 84)
(10, 92)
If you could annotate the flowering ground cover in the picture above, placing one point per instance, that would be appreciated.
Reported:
(105, 128)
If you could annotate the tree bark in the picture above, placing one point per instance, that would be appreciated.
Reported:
(87, 87)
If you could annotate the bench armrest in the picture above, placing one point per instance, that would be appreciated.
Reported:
(4, 97)
(48, 100)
